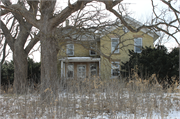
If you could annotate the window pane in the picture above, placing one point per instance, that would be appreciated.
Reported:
(116, 72)
(115, 65)
(138, 49)
(81, 68)
(115, 69)
(138, 45)
(81, 71)
(70, 46)
(114, 43)
(93, 46)
(93, 69)
(70, 67)
(70, 49)
(70, 52)
(92, 52)
(138, 41)
(70, 74)
(70, 70)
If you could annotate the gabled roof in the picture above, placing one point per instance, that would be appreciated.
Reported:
(73, 33)
(134, 23)
(83, 34)
(137, 24)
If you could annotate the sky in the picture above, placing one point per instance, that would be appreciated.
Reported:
(141, 10)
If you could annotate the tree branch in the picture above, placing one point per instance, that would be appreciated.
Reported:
(3, 12)
(4, 52)
(61, 17)
(170, 6)
(32, 43)
(8, 36)
(17, 8)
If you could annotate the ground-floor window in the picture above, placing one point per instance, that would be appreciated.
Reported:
(93, 69)
(115, 69)
(81, 71)
(70, 70)
(138, 45)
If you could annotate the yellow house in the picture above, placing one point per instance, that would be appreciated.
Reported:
(101, 56)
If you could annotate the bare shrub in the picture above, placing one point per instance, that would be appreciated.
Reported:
(95, 98)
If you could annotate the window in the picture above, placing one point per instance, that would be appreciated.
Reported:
(70, 49)
(70, 70)
(115, 45)
(138, 45)
(93, 70)
(81, 71)
(115, 69)
(92, 52)
(92, 46)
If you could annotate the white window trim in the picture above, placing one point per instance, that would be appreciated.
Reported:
(112, 69)
(90, 69)
(78, 72)
(137, 46)
(116, 47)
(67, 70)
(68, 49)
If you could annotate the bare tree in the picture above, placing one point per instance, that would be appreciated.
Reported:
(16, 37)
(47, 25)
(49, 21)
(3, 54)
(159, 22)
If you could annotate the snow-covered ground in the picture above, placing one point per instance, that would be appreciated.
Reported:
(72, 106)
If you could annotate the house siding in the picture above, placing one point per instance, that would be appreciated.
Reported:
(104, 45)
(79, 51)
(122, 56)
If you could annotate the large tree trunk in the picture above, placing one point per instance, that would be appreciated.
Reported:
(20, 70)
(48, 66)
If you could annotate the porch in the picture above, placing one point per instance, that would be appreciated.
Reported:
(80, 67)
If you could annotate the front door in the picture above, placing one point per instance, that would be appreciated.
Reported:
(81, 71)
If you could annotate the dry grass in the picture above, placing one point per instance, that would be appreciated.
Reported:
(95, 98)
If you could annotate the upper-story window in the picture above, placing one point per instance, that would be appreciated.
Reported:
(138, 45)
(115, 45)
(115, 69)
(92, 52)
(70, 49)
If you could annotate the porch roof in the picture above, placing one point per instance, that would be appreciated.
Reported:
(80, 59)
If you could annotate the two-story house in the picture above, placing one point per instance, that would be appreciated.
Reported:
(101, 55)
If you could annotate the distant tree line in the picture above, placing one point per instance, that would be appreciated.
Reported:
(165, 65)
(8, 72)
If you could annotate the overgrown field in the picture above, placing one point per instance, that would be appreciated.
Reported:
(96, 99)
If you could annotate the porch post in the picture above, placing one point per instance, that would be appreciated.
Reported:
(99, 68)
(62, 69)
